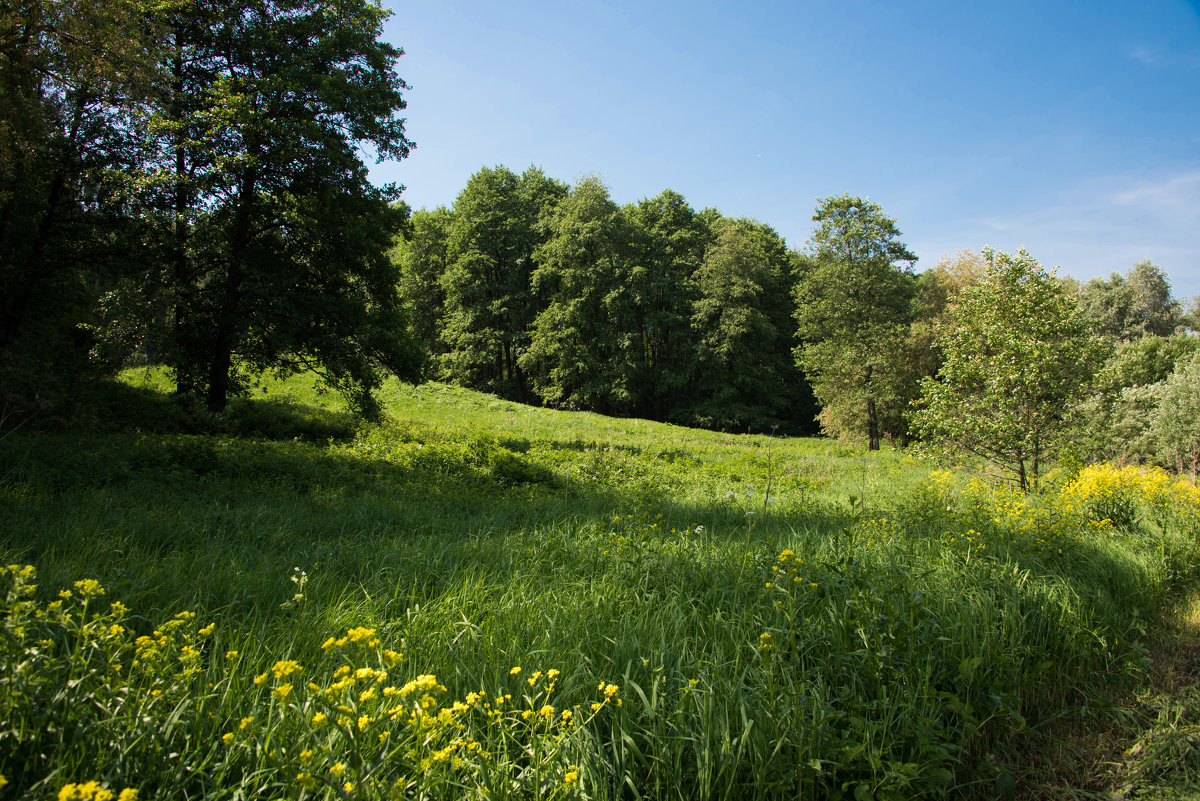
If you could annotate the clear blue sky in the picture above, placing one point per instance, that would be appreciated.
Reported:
(1069, 128)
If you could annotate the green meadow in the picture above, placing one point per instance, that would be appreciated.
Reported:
(480, 599)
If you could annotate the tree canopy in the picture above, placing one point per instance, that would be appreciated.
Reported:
(271, 243)
(536, 292)
(1138, 304)
(1018, 357)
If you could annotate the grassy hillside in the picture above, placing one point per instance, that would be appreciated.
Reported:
(693, 614)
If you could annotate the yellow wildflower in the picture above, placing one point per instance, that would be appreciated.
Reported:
(363, 636)
(285, 667)
(89, 588)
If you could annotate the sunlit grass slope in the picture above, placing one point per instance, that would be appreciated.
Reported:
(693, 614)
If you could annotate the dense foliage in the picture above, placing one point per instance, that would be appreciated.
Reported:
(853, 308)
(207, 596)
(536, 292)
(183, 182)
(1018, 358)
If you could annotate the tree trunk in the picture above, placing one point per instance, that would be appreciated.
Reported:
(185, 379)
(872, 426)
(222, 352)
(221, 359)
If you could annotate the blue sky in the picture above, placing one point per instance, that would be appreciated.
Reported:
(1069, 128)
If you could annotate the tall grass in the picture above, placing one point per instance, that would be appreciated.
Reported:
(871, 629)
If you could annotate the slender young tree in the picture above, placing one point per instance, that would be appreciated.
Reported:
(853, 310)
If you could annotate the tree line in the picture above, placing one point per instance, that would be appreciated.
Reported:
(183, 183)
(545, 293)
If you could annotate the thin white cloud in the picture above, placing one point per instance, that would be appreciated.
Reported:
(1101, 226)
(1144, 54)
(1159, 57)
(1179, 193)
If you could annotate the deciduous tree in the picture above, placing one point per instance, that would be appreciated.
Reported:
(1138, 304)
(490, 306)
(669, 242)
(273, 242)
(1175, 422)
(853, 309)
(745, 374)
(579, 353)
(72, 75)
(1018, 358)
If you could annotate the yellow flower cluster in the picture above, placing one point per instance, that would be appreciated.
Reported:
(363, 722)
(357, 636)
(413, 730)
(789, 574)
(92, 791)
(172, 647)
(1124, 495)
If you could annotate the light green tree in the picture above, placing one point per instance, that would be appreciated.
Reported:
(1175, 422)
(1138, 304)
(1114, 420)
(1019, 356)
(853, 310)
